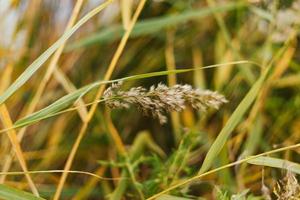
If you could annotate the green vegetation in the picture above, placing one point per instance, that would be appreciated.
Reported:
(161, 99)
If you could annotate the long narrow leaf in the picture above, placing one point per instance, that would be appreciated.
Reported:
(232, 122)
(9, 193)
(276, 163)
(57, 106)
(150, 26)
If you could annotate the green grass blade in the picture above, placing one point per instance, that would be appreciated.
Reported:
(254, 138)
(151, 26)
(262, 13)
(171, 197)
(70, 98)
(232, 122)
(9, 193)
(31, 69)
(55, 107)
(276, 163)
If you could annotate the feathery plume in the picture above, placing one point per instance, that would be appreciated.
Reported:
(162, 99)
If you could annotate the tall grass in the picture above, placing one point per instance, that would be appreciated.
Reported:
(75, 139)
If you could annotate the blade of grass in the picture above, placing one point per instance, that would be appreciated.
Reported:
(151, 26)
(52, 66)
(262, 13)
(57, 106)
(69, 87)
(126, 9)
(234, 119)
(7, 122)
(114, 134)
(198, 76)
(12, 135)
(6, 74)
(276, 163)
(61, 171)
(5, 143)
(248, 74)
(171, 65)
(223, 54)
(31, 69)
(252, 142)
(53, 141)
(292, 80)
(9, 193)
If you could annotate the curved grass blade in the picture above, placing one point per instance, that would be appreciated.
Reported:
(150, 26)
(57, 106)
(8, 193)
(31, 69)
(262, 13)
(232, 122)
(70, 98)
(276, 163)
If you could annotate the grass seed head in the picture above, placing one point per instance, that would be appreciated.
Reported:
(288, 188)
(162, 99)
